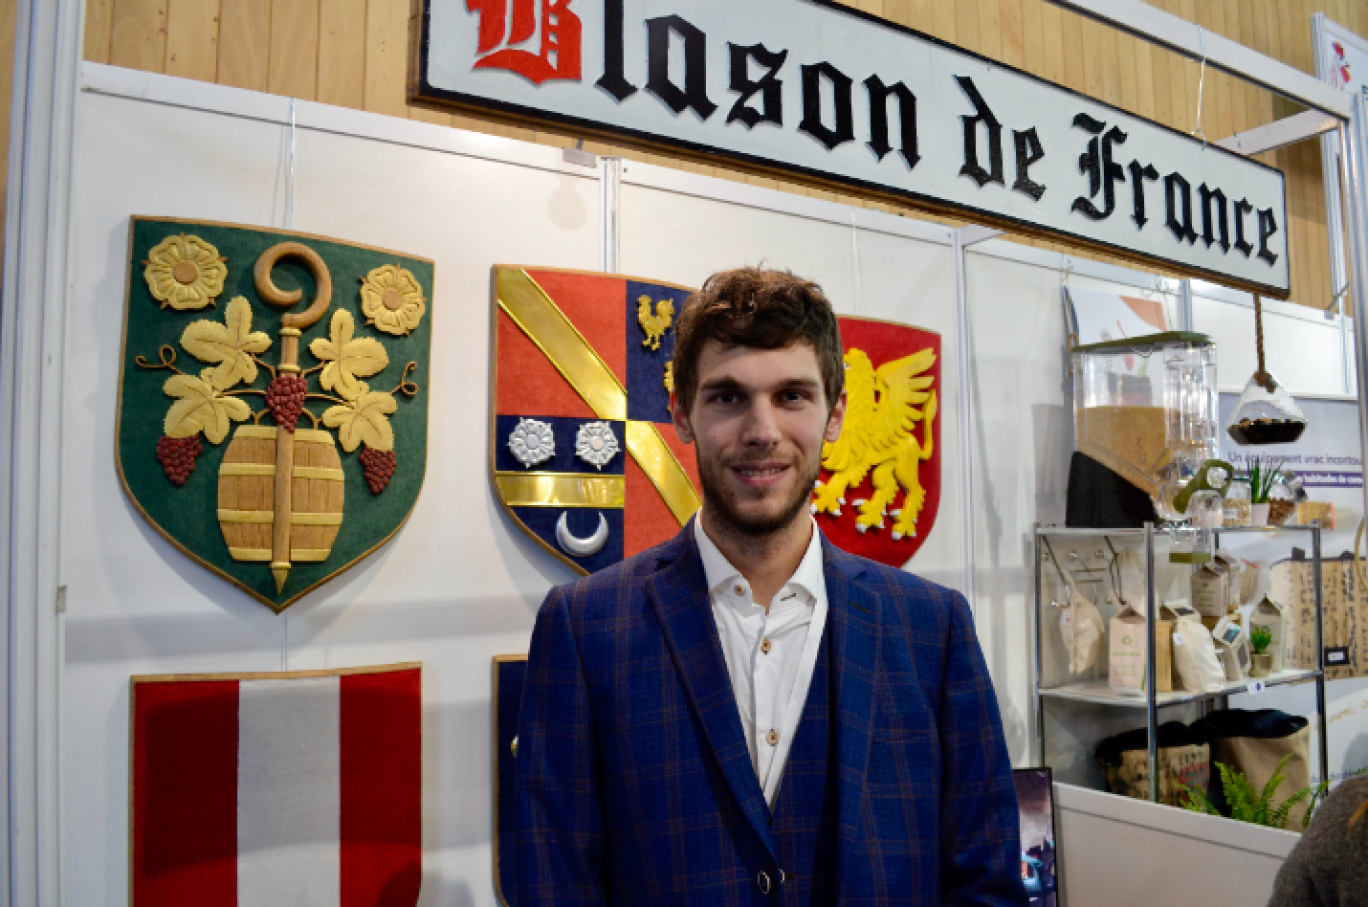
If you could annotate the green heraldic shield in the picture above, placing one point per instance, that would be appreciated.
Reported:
(272, 398)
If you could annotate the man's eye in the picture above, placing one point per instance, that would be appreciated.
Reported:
(725, 399)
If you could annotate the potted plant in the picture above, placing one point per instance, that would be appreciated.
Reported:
(1262, 664)
(1263, 475)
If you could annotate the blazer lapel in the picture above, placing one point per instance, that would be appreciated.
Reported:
(679, 593)
(854, 620)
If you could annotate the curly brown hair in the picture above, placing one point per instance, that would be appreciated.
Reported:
(759, 308)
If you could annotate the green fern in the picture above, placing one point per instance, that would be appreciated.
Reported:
(1258, 809)
(1248, 805)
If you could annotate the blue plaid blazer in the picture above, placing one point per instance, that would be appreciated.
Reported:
(635, 787)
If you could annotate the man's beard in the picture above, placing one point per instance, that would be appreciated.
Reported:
(726, 516)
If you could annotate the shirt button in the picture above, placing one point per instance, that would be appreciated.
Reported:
(739, 589)
(765, 646)
(772, 738)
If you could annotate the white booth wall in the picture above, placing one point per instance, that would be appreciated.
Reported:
(460, 583)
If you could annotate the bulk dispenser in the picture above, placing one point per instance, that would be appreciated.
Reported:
(1145, 408)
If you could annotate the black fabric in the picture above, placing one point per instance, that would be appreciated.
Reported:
(1263, 724)
(1099, 498)
(804, 822)
(1170, 733)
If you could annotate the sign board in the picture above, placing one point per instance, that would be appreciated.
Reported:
(836, 96)
(1327, 456)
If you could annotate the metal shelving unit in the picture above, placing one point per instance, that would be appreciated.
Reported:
(1099, 692)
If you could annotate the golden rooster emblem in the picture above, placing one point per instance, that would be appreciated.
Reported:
(654, 324)
(883, 407)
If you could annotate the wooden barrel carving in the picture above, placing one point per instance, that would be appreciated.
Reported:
(246, 495)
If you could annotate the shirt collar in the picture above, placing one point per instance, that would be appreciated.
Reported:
(719, 571)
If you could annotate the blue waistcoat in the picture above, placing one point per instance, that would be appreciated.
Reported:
(804, 824)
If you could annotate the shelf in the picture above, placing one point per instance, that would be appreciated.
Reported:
(1161, 529)
(1264, 529)
(1097, 691)
(1062, 530)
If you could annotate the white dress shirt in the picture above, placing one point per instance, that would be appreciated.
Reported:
(770, 656)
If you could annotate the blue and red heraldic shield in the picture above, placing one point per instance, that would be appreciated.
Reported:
(272, 789)
(584, 456)
(586, 461)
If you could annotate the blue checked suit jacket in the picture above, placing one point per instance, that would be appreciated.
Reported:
(635, 786)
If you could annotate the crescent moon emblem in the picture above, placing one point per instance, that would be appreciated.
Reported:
(578, 547)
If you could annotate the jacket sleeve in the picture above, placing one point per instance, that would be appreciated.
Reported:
(559, 840)
(980, 829)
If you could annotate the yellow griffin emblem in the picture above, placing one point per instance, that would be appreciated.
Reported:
(883, 407)
(655, 325)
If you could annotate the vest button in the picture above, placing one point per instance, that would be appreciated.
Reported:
(763, 880)
(782, 876)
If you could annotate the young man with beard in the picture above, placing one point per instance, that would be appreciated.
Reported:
(745, 714)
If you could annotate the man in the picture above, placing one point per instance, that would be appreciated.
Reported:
(746, 714)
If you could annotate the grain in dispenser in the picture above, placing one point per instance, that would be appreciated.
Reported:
(1145, 408)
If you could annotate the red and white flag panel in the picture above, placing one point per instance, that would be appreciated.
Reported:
(275, 790)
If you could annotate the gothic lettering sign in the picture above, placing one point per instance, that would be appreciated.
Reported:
(836, 96)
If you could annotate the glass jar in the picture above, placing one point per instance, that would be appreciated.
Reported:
(1206, 509)
(1235, 508)
(1282, 507)
(1146, 408)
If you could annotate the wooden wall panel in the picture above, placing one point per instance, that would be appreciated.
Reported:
(354, 53)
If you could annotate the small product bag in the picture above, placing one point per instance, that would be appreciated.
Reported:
(1210, 585)
(1128, 657)
(1194, 651)
(1128, 578)
(1081, 625)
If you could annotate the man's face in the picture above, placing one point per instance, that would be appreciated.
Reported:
(758, 422)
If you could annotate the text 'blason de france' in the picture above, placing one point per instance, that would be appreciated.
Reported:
(756, 77)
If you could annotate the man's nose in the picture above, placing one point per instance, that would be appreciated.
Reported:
(762, 424)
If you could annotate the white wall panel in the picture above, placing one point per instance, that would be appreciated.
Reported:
(457, 585)
(1302, 347)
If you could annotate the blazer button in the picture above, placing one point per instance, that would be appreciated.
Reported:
(763, 880)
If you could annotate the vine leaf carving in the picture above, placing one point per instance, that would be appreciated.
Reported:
(230, 344)
(347, 359)
(200, 407)
(365, 418)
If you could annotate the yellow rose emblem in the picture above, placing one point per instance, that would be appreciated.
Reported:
(392, 300)
(185, 272)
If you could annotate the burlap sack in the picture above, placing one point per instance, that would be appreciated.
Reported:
(1183, 757)
(1252, 743)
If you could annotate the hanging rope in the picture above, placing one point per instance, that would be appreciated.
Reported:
(1262, 376)
(1201, 86)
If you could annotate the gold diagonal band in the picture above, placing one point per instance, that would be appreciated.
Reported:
(656, 459)
(561, 489)
(546, 325)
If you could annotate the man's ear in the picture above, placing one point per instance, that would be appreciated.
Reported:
(681, 420)
(837, 419)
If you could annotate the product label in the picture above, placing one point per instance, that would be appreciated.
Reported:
(1128, 656)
